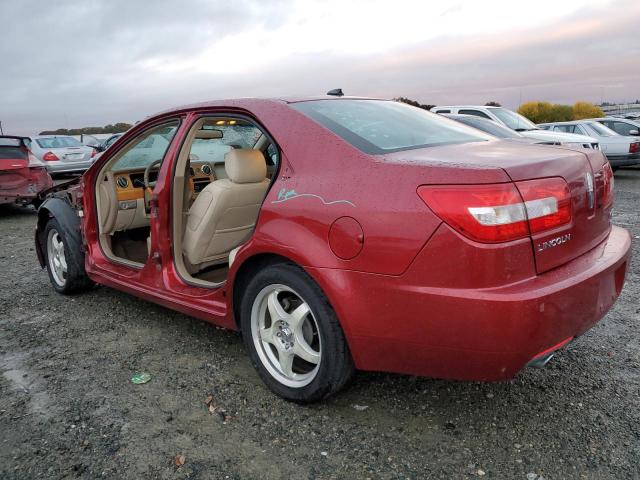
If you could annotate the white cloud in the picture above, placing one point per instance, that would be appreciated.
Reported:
(74, 63)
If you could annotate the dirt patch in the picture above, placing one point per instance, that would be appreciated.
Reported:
(68, 408)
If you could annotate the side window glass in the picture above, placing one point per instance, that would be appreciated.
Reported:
(477, 113)
(147, 148)
(272, 155)
(218, 136)
(623, 128)
(443, 111)
(581, 130)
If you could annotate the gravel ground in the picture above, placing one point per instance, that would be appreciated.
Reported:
(68, 407)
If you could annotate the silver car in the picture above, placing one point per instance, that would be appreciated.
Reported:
(62, 154)
(621, 150)
(622, 126)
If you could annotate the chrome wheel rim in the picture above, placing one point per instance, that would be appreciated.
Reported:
(286, 335)
(56, 257)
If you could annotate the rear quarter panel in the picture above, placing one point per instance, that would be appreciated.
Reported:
(323, 179)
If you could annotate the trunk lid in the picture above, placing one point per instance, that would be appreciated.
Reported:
(14, 154)
(14, 165)
(70, 154)
(582, 170)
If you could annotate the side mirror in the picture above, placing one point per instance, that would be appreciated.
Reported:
(635, 133)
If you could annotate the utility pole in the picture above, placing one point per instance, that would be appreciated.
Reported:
(1, 131)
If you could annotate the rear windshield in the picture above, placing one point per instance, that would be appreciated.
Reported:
(58, 142)
(12, 148)
(488, 126)
(513, 120)
(379, 126)
(602, 130)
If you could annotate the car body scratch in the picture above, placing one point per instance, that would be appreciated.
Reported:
(284, 196)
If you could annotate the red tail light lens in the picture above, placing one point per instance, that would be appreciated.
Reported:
(93, 152)
(547, 201)
(501, 212)
(634, 147)
(486, 213)
(50, 157)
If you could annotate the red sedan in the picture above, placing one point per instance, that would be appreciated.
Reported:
(342, 233)
(22, 176)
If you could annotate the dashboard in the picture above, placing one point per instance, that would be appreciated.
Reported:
(130, 184)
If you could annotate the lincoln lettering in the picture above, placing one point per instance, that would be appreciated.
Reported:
(554, 242)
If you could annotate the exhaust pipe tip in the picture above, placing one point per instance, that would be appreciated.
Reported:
(541, 359)
(541, 362)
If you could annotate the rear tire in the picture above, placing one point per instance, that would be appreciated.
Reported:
(65, 265)
(293, 336)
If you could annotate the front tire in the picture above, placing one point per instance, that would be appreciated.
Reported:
(64, 264)
(293, 336)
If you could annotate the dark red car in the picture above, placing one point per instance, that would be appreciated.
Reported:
(341, 233)
(22, 176)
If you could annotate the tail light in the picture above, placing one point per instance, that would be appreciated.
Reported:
(607, 195)
(501, 212)
(50, 157)
(93, 152)
(634, 147)
(547, 201)
(33, 160)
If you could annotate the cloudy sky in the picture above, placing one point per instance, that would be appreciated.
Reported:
(74, 63)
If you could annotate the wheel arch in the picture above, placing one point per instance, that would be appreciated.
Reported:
(67, 218)
(251, 264)
(263, 259)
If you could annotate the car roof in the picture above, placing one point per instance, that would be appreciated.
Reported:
(466, 106)
(249, 102)
(570, 122)
(617, 119)
(462, 116)
(53, 136)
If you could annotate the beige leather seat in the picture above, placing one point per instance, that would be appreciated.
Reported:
(225, 211)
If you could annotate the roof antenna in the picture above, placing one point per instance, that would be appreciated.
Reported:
(336, 92)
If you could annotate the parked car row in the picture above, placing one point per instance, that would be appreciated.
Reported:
(618, 138)
(520, 124)
(622, 147)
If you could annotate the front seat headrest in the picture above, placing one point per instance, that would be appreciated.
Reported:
(245, 165)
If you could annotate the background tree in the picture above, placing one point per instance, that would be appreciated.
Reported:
(543, 112)
(116, 128)
(492, 104)
(414, 103)
(537, 112)
(561, 113)
(586, 110)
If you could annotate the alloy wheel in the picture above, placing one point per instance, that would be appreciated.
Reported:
(56, 257)
(286, 335)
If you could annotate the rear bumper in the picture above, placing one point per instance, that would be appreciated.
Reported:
(68, 167)
(24, 185)
(624, 160)
(394, 324)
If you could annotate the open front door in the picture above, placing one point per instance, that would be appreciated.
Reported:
(128, 186)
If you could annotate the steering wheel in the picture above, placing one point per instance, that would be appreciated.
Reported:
(147, 171)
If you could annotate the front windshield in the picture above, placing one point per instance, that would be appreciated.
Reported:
(381, 126)
(513, 120)
(601, 129)
(147, 148)
(488, 126)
